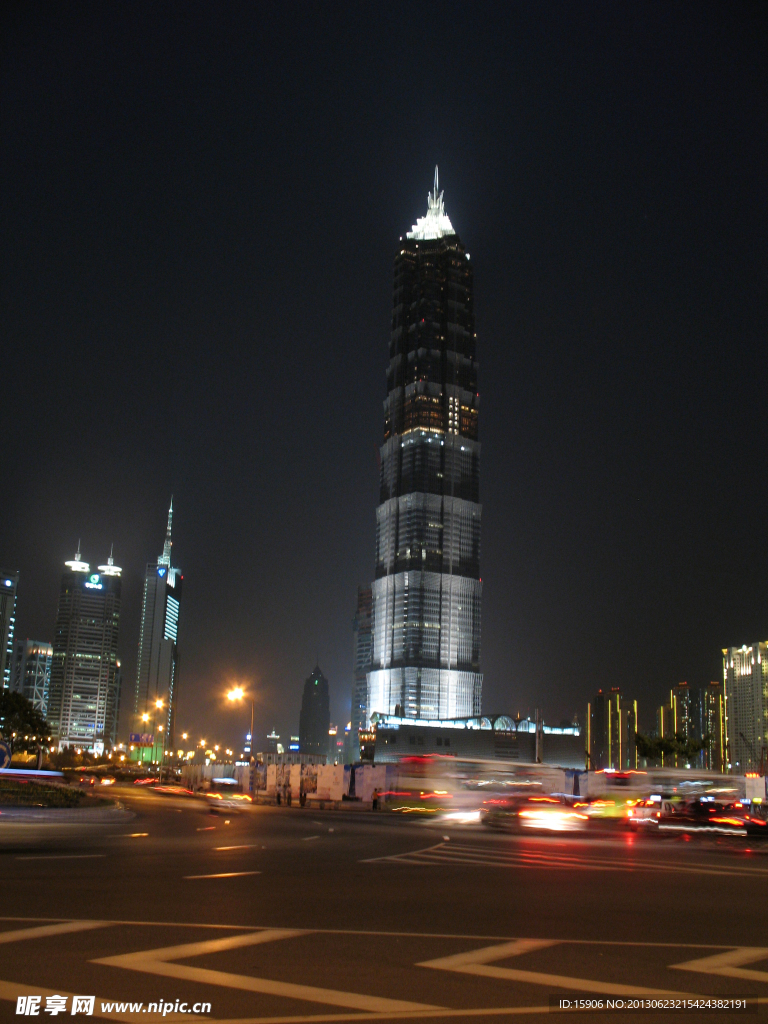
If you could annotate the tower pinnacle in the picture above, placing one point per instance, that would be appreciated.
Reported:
(165, 559)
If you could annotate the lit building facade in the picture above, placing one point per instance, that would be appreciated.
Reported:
(677, 720)
(157, 671)
(9, 582)
(426, 598)
(711, 717)
(486, 737)
(745, 677)
(315, 717)
(84, 693)
(32, 672)
(611, 740)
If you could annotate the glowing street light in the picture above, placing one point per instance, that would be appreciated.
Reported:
(238, 693)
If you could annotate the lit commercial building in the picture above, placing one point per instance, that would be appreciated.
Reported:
(9, 582)
(315, 717)
(32, 672)
(711, 723)
(491, 737)
(677, 720)
(427, 593)
(84, 694)
(612, 731)
(361, 661)
(157, 671)
(745, 676)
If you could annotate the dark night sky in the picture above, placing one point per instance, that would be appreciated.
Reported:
(201, 205)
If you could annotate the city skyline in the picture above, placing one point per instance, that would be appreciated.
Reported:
(169, 329)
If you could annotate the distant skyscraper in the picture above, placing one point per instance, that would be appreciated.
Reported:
(157, 671)
(612, 731)
(315, 718)
(84, 695)
(745, 674)
(677, 720)
(711, 718)
(361, 661)
(32, 672)
(427, 591)
(9, 582)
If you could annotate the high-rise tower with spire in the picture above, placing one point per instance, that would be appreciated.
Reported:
(157, 673)
(427, 592)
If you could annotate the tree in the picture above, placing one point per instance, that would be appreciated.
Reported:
(653, 748)
(21, 724)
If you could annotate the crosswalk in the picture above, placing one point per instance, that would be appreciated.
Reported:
(463, 854)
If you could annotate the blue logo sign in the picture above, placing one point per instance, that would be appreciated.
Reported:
(161, 572)
(5, 755)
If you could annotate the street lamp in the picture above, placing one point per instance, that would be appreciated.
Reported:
(159, 706)
(237, 693)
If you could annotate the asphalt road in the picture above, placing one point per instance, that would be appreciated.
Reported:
(288, 914)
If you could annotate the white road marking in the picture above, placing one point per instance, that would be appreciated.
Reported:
(223, 874)
(478, 961)
(43, 931)
(157, 961)
(307, 838)
(464, 854)
(243, 846)
(62, 856)
(729, 963)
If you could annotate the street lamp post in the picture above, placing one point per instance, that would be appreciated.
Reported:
(237, 693)
(159, 707)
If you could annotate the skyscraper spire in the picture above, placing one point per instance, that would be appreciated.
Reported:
(436, 224)
(166, 556)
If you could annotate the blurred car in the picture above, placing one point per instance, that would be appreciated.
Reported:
(703, 815)
(224, 795)
(543, 813)
(644, 813)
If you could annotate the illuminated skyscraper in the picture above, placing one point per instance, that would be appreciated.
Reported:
(84, 694)
(611, 731)
(426, 596)
(158, 666)
(745, 675)
(9, 581)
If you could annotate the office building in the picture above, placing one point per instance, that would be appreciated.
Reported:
(9, 582)
(427, 593)
(711, 727)
(611, 740)
(32, 672)
(84, 694)
(315, 718)
(745, 677)
(486, 737)
(361, 662)
(157, 670)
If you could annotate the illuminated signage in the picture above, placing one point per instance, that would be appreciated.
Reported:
(93, 582)
(161, 572)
